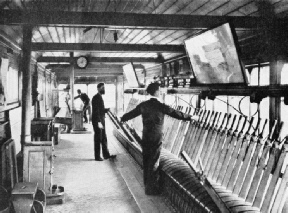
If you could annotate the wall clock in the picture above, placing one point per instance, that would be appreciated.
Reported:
(82, 62)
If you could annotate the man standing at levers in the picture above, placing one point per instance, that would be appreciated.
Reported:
(152, 112)
(86, 101)
(98, 122)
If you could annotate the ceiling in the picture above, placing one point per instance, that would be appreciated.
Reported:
(251, 40)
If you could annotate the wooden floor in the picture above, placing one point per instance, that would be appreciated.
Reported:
(102, 187)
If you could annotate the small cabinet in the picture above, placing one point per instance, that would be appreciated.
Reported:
(38, 164)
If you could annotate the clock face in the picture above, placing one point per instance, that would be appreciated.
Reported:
(82, 62)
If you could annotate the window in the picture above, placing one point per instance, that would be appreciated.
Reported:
(209, 104)
(220, 104)
(264, 77)
(170, 100)
(284, 118)
(78, 104)
(284, 108)
(284, 74)
(260, 77)
(254, 77)
(110, 96)
(12, 85)
(184, 100)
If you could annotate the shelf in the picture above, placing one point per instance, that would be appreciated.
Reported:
(9, 106)
(274, 91)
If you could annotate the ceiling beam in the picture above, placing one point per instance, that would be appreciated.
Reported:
(87, 73)
(96, 47)
(126, 20)
(88, 80)
(115, 60)
(89, 66)
(78, 73)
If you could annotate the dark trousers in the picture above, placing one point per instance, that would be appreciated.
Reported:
(100, 140)
(151, 157)
(85, 113)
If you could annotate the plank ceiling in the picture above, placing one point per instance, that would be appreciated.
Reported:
(138, 36)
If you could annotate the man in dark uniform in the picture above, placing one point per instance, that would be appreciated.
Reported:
(98, 122)
(152, 112)
(86, 101)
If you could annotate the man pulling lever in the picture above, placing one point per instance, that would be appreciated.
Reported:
(153, 112)
(86, 101)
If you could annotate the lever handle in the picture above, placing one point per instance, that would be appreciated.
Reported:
(217, 122)
(263, 128)
(244, 124)
(210, 118)
(233, 122)
(228, 120)
(238, 123)
(272, 130)
(203, 115)
(250, 124)
(280, 128)
(215, 117)
(223, 120)
(257, 126)
(206, 118)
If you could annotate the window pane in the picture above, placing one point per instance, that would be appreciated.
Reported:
(284, 74)
(209, 104)
(12, 85)
(183, 100)
(284, 118)
(234, 102)
(264, 108)
(264, 75)
(170, 100)
(248, 76)
(219, 105)
(78, 104)
(92, 90)
(244, 106)
(110, 96)
(254, 77)
(253, 109)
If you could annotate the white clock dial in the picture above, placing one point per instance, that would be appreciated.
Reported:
(82, 62)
